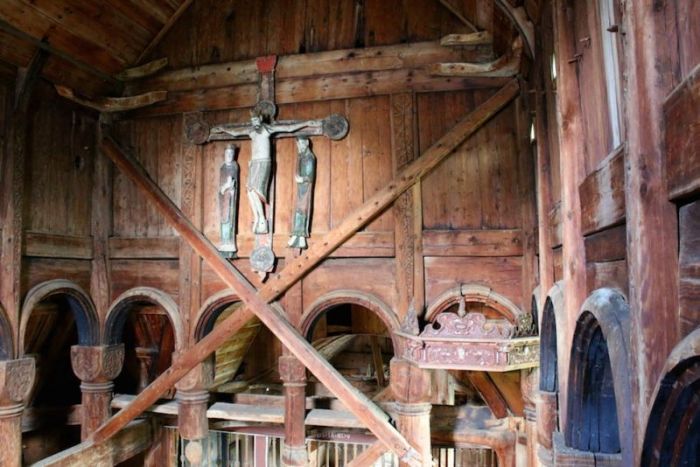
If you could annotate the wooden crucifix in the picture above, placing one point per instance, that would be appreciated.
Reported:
(260, 130)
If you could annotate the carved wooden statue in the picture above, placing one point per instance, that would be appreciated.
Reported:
(304, 178)
(261, 160)
(228, 201)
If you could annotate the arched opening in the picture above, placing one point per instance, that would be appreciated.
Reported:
(147, 322)
(598, 409)
(353, 332)
(593, 424)
(233, 369)
(673, 429)
(55, 316)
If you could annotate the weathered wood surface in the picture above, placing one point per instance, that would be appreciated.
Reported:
(48, 245)
(475, 38)
(277, 323)
(689, 267)
(181, 9)
(134, 439)
(142, 71)
(572, 162)
(369, 456)
(652, 222)
(682, 137)
(13, 188)
(602, 194)
(472, 242)
(112, 104)
(608, 245)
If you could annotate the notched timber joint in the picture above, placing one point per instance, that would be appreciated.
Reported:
(507, 65)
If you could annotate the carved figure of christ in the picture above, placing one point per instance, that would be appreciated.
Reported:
(260, 166)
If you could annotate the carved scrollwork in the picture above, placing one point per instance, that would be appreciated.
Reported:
(16, 380)
(97, 364)
(471, 326)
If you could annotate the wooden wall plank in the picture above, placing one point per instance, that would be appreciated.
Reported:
(682, 137)
(607, 245)
(472, 243)
(503, 275)
(689, 267)
(602, 195)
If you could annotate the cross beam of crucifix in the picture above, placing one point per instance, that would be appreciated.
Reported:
(280, 282)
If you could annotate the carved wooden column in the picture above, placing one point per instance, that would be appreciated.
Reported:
(96, 367)
(193, 402)
(16, 380)
(412, 388)
(293, 375)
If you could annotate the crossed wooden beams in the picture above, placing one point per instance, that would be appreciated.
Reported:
(257, 301)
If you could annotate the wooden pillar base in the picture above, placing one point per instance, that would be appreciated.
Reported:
(96, 367)
(96, 404)
(547, 418)
(11, 435)
(16, 380)
(413, 390)
(293, 375)
(192, 419)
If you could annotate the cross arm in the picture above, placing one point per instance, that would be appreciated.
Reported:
(334, 127)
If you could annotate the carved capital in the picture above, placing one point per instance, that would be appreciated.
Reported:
(97, 364)
(291, 370)
(16, 380)
(198, 378)
(409, 383)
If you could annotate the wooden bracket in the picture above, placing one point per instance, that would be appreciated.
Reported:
(138, 72)
(113, 104)
(505, 66)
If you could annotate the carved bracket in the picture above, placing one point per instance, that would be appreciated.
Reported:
(16, 380)
(291, 370)
(199, 378)
(97, 364)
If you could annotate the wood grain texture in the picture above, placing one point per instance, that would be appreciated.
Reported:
(472, 242)
(689, 267)
(602, 194)
(682, 137)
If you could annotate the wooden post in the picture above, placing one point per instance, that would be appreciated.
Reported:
(573, 156)
(412, 387)
(16, 381)
(96, 368)
(293, 376)
(279, 282)
(652, 224)
(193, 401)
(12, 173)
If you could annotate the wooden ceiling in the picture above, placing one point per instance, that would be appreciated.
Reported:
(91, 40)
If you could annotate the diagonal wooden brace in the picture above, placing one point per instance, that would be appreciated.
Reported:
(358, 404)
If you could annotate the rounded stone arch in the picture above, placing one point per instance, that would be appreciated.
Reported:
(475, 293)
(551, 335)
(599, 379)
(119, 311)
(352, 297)
(676, 405)
(83, 309)
(7, 349)
(210, 311)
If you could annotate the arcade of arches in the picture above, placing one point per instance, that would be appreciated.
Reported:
(350, 232)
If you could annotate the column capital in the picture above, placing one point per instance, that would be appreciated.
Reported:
(97, 364)
(198, 379)
(16, 380)
(292, 371)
